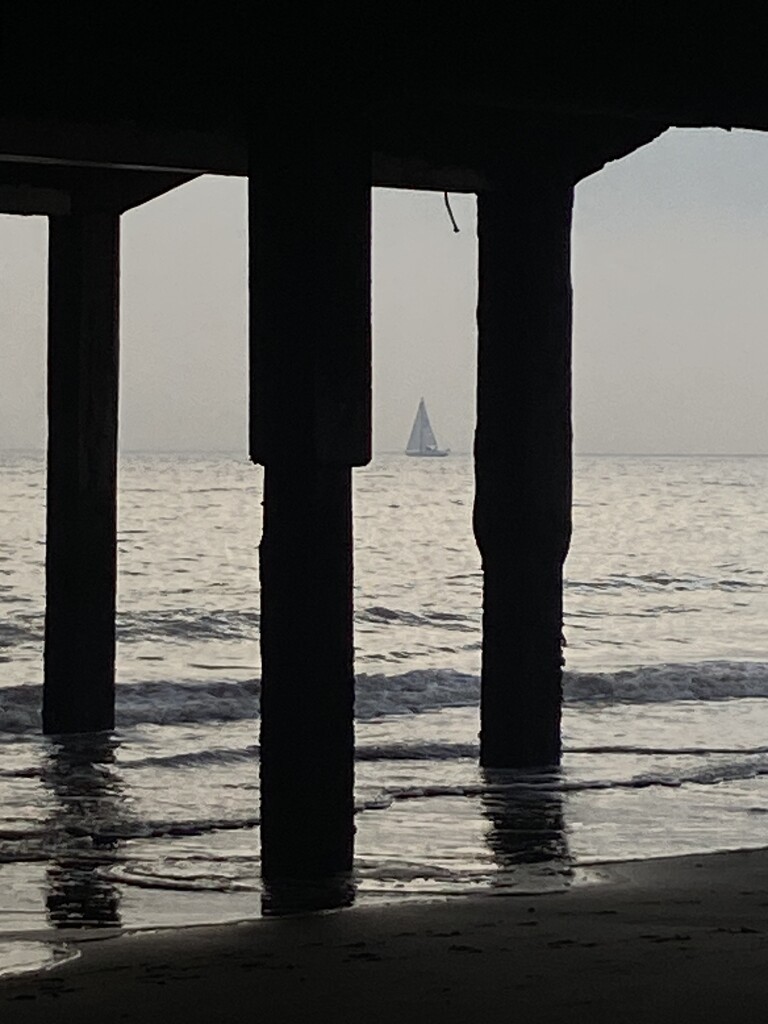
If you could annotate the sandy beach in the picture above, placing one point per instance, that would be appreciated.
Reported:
(679, 939)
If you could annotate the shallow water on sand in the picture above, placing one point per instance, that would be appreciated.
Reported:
(666, 722)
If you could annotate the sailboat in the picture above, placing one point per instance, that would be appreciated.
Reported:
(422, 440)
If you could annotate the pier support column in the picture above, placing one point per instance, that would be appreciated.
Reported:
(522, 513)
(83, 284)
(310, 423)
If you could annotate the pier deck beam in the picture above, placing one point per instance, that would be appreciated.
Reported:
(522, 512)
(83, 286)
(310, 423)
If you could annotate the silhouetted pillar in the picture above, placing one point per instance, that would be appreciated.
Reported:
(522, 514)
(83, 279)
(310, 423)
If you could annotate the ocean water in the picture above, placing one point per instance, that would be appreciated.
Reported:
(665, 726)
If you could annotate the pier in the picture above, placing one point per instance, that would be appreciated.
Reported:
(97, 118)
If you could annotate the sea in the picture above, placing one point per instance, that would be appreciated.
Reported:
(666, 692)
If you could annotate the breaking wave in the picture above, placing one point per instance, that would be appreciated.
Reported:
(418, 691)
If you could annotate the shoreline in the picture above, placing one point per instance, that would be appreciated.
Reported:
(673, 938)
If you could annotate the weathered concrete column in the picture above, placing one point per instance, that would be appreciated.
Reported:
(310, 423)
(83, 279)
(522, 514)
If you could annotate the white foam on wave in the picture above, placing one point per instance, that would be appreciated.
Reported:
(660, 684)
(522, 785)
(431, 689)
(22, 956)
(412, 692)
(87, 842)
(146, 878)
(424, 750)
(378, 696)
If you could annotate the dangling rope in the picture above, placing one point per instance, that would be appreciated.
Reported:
(447, 202)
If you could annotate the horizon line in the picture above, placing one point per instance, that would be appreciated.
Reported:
(399, 451)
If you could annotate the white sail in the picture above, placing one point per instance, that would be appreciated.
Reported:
(422, 440)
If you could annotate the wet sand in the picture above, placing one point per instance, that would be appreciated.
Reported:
(680, 939)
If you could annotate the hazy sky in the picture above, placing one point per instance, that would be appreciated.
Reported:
(670, 272)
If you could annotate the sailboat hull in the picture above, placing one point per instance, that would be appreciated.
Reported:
(428, 455)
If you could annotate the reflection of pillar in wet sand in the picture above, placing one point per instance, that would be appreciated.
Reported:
(296, 896)
(88, 809)
(527, 836)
